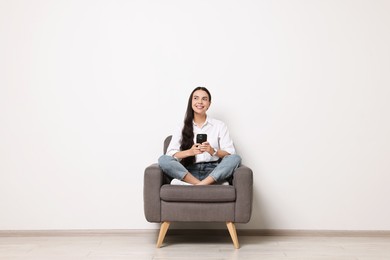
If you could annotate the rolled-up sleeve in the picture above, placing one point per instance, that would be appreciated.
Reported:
(225, 142)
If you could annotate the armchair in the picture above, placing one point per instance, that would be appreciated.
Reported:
(165, 203)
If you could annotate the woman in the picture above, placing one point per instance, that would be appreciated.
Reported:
(190, 163)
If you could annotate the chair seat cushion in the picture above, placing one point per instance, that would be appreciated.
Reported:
(207, 193)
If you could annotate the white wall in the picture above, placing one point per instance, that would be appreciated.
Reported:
(89, 89)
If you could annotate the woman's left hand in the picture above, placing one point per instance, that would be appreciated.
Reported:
(206, 147)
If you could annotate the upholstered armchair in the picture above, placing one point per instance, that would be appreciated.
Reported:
(165, 203)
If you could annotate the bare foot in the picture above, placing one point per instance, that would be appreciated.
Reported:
(207, 181)
(189, 178)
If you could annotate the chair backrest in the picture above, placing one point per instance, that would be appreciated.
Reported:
(166, 143)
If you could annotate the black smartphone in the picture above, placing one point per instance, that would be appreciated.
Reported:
(201, 138)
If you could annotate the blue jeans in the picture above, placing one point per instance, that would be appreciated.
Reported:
(218, 171)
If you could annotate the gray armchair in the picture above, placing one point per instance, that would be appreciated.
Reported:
(165, 203)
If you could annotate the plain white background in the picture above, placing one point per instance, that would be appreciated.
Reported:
(89, 90)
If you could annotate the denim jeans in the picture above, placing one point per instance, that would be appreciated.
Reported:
(218, 171)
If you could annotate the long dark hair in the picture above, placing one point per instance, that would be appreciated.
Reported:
(187, 134)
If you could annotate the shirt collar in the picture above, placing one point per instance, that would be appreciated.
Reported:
(208, 121)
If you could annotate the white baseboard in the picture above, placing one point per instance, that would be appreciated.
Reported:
(241, 232)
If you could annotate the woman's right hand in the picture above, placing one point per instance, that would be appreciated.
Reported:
(194, 150)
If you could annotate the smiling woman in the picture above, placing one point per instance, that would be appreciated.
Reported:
(190, 161)
(86, 88)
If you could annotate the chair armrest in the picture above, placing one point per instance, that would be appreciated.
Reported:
(153, 180)
(243, 183)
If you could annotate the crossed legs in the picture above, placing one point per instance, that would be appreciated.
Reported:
(216, 172)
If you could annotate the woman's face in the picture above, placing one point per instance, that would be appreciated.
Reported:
(200, 102)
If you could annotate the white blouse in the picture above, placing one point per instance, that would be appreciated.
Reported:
(217, 136)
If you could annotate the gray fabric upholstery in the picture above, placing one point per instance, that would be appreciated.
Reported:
(197, 212)
(213, 203)
(153, 180)
(166, 143)
(243, 183)
(214, 193)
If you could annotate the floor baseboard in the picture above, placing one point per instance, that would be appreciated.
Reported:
(202, 232)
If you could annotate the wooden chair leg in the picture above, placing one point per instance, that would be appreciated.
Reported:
(163, 230)
(233, 234)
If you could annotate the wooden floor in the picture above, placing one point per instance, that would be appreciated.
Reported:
(142, 245)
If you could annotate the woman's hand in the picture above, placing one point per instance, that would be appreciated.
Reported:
(195, 149)
(206, 147)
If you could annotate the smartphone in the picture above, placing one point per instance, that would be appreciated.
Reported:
(201, 138)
